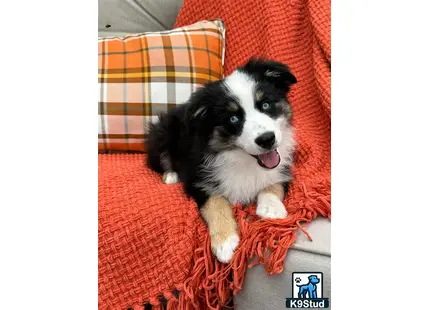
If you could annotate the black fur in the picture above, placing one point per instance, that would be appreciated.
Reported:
(184, 133)
(272, 72)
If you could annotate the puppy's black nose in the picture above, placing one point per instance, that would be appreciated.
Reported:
(266, 140)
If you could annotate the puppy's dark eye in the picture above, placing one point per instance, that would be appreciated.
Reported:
(234, 119)
(265, 106)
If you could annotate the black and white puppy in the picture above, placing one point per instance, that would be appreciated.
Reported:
(232, 142)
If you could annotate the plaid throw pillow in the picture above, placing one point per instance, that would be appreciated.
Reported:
(144, 74)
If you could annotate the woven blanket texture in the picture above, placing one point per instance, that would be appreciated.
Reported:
(153, 245)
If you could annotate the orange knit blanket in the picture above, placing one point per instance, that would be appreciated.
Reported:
(153, 245)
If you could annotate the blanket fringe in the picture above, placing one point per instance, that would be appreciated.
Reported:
(265, 241)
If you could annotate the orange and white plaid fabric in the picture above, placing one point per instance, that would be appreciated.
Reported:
(144, 74)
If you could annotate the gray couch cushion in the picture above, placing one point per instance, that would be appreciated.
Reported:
(261, 291)
(319, 230)
(135, 16)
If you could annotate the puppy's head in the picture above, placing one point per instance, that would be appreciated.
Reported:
(246, 110)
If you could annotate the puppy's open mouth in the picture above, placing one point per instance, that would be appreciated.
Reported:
(268, 160)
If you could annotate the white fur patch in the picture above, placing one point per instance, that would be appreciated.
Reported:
(170, 178)
(270, 206)
(224, 251)
(242, 86)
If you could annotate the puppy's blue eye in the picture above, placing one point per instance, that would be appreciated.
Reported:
(265, 106)
(234, 119)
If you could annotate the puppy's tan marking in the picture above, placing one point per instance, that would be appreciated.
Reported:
(232, 106)
(276, 189)
(222, 226)
(259, 95)
(286, 108)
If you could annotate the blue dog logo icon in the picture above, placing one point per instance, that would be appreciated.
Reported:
(309, 290)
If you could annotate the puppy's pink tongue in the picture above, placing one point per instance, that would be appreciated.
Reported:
(270, 160)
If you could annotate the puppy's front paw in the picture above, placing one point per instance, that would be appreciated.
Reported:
(223, 248)
(270, 206)
(170, 177)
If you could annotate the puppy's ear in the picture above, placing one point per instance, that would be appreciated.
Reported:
(196, 110)
(272, 71)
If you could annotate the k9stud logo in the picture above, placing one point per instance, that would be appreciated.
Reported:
(307, 291)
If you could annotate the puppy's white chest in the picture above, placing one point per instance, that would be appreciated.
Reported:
(239, 178)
